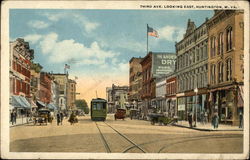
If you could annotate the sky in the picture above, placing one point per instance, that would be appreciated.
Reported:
(98, 44)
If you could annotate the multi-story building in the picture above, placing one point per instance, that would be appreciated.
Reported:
(192, 68)
(171, 85)
(148, 84)
(54, 94)
(117, 97)
(135, 81)
(20, 62)
(154, 65)
(225, 71)
(71, 94)
(45, 89)
(111, 108)
(62, 80)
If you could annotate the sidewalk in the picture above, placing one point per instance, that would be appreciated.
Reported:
(208, 126)
(20, 121)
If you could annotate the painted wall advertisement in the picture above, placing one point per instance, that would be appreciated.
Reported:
(163, 63)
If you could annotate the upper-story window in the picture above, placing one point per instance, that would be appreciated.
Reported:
(197, 54)
(193, 56)
(229, 69)
(212, 74)
(212, 46)
(220, 44)
(229, 38)
(220, 72)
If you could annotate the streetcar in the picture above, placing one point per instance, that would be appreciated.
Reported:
(98, 110)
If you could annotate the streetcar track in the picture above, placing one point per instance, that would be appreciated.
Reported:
(103, 139)
(119, 133)
(183, 138)
(135, 145)
(195, 139)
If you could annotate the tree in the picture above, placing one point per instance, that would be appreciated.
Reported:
(82, 104)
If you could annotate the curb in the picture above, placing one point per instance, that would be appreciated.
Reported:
(201, 129)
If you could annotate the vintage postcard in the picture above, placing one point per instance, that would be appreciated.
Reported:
(125, 80)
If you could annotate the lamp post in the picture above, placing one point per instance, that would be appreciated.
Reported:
(196, 91)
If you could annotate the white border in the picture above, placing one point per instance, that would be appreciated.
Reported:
(108, 5)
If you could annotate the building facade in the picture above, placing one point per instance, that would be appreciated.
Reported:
(135, 81)
(160, 94)
(20, 61)
(148, 85)
(45, 88)
(171, 89)
(225, 69)
(62, 80)
(71, 94)
(192, 71)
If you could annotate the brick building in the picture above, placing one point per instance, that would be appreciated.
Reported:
(45, 88)
(225, 71)
(148, 84)
(20, 61)
(135, 81)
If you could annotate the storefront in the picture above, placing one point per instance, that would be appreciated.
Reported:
(181, 108)
(228, 103)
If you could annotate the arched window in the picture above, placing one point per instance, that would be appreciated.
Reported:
(229, 38)
(229, 69)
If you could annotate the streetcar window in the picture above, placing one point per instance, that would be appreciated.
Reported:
(94, 106)
(99, 106)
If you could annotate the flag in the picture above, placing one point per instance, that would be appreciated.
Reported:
(152, 32)
(67, 66)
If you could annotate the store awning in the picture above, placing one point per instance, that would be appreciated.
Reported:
(51, 106)
(17, 102)
(39, 103)
(25, 102)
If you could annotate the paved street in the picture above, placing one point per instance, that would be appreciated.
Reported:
(128, 136)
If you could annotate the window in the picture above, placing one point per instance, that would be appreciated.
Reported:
(197, 54)
(193, 56)
(212, 74)
(212, 46)
(229, 69)
(220, 72)
(229, 38)
(220, 44)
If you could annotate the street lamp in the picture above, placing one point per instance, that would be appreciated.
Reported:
(196, 91)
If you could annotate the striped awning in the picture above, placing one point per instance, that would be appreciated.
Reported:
(19, 102)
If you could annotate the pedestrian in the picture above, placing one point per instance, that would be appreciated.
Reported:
(215, 120)
(12, 117)
(58, 118)
(241, 120)
(61, 115)
(15, 116)
(206, 117)
(190, 120)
